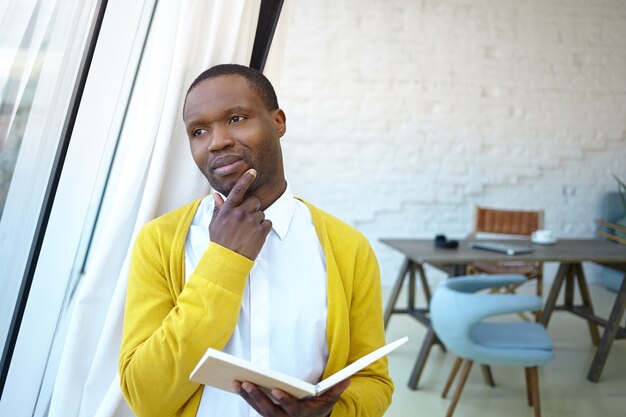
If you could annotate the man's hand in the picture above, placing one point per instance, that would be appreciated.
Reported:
(239, 224)
(281, 404)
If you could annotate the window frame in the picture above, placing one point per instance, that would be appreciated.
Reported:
(111, 60)
(31, 233)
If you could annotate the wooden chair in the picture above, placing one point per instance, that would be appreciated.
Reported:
(614, 233)
(611, 231)
(502, 223)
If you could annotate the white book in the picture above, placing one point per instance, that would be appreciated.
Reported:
(220, 370)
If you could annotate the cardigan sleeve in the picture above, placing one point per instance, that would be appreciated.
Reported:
(164, 336)
(370, 390)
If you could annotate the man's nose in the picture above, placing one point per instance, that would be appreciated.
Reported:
(220, 139)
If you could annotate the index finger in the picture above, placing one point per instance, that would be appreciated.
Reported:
(235, 197)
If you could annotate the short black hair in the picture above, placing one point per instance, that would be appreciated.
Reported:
(255, 79)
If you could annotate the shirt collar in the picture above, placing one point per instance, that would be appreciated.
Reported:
(279, 213)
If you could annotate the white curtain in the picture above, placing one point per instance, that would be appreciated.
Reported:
(153, 173)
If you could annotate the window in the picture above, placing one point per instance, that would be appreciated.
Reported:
(70, 185)
(41, 46)
(47, 48)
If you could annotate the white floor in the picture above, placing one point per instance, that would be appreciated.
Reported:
(564, 388)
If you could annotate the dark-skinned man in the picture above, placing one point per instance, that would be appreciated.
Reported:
(250, 270)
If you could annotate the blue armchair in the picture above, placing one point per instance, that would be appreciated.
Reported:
(457, 314)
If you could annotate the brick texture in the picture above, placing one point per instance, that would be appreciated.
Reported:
(404, 114)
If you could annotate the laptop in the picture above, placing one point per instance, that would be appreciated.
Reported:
(502, 247)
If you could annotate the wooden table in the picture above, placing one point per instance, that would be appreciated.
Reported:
(570, 253)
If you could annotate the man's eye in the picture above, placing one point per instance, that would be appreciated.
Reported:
(198, 132)
(235, 119)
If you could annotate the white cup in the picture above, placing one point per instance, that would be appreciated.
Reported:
(542, 236)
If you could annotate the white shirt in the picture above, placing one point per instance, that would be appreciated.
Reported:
(282, 321)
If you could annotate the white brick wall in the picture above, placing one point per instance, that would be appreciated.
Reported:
(404, 114)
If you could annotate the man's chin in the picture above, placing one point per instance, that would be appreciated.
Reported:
(225, 186)
(221, 187)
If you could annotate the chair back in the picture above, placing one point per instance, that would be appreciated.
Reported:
(612, 275)
(504, 221)
(456, 310)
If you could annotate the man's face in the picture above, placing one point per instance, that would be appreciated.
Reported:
(231, 130)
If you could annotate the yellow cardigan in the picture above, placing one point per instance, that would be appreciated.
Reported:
(168, 324)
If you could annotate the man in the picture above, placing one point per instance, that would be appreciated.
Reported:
(252, 271)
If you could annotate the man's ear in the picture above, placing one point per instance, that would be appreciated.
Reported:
(280, 121)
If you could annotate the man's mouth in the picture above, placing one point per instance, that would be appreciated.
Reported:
(227, 165)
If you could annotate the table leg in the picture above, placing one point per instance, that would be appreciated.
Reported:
(459, 269)
(427, 344)
(586, 298)
(569, 286)
(411, 269)
(410, 299)
(395, 292)
(487, 375)
(562, 272)
(420, 269)
(610, 331)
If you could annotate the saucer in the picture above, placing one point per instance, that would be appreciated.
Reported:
(544, 241)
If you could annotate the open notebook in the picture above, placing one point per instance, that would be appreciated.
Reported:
(220, 369)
